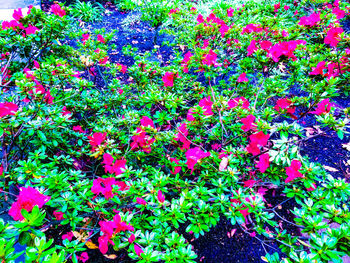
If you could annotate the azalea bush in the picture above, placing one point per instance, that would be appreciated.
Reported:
(208, 136)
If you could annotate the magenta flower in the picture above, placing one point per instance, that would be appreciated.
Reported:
(252, 47)
(284, 104)
(176, 169)
(138, 250)
(182, 136)
(264, 162)
(248, 123)
(193, 156)
(58, 10)
(141, 201)
(8, 108)
(104, 186)
(58, 215)
(242, 78)
(293, 171)
(319, 68)
(210, 59)
(83, 257)
(323, 106)
(17, 14)
(161, 197)
(101, 39)
(168, 79)
(333, 36)
(145, 122)
(97, 139)
(28, 198)
(31, 30)
(131, 239)
(311, 20)
(206, 104)
(116, 167)
(68, 235)
(239, 101)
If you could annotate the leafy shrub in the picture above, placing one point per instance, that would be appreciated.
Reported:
(210, 135)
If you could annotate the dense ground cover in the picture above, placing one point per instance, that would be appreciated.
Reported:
(136, 136)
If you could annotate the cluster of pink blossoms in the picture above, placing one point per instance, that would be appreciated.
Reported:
(8, 109)
(141, 140)
(28, 198)
(105, 186)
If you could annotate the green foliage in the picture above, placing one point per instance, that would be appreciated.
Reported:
(88, 11)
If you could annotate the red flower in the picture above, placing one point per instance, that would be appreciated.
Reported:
(266, 45)
(248, 123)
(68, 236)
(161, 197)
(8, 108)
(83, 257)
(284, 104)
(145, 122)
(78, 129)
(193, 156)
(28, 198)
(58, 10)
(1, 170)
(142, 140)
(97, 139)
(17, 14)
(264, 162)
(239, 101)
(85, 38)
(131, 239)
(311, 20)
(333, 37)
(242, 78)
(256, 140)
(101, 39)
(103, 61)
(338, 12)
(293, 171)
(285, 49)
(319, 68)
(323, 106)
(168, 79)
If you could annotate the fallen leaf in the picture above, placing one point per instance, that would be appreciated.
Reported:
(111, 256)
(91, 245)
(309, 132)
(346, 146)
(330, 169)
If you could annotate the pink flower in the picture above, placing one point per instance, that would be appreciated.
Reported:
(338, 12)
(252, 47)
(239, 101)
(174, 11)
(85, 37)
(142, 140)
(311, 20)
(78, 129)
(284, 104)
(138, 250)
(1, 170)
(104, 60)
(104, 186)
(28, 198)
(250, 28)
(285, 49)
(145, 122)
(83, 257)
(36, 64)
(176, 169)
(319, 68)
(264, 162)
(31, 30)
(248, 123)
(210, 59)
(333, 37)
(68, 235)
(116, 167)
(182, 136)
(141, 201)
(168, 79)
(8, 108)
(161, 197)
(206, 104)
(311, 188)
(323, 106)
(286, 7)
(185, 61)
(101, 39)
(277, 7)
(293, 171)
(58, 215)
(256, 140)
(193, 156)
(58, 10)
(266, 45)
(17, 14)
(200, 19)
(242, 78)
(65, 111)
(230, 12)
(131, 239)
(97, 139)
